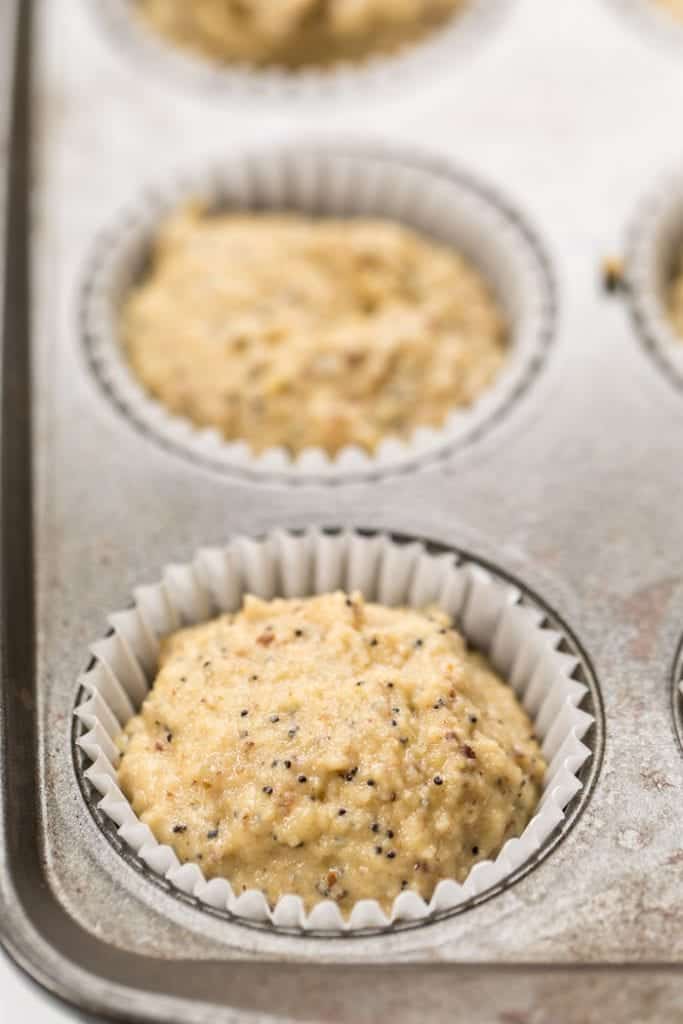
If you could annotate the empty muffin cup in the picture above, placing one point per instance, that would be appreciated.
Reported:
(260, 66)
(493, 616)
(442, 205)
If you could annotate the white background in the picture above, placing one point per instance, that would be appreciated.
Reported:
(21, 1002)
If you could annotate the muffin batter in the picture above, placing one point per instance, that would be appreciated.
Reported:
(295, 33)
(330, 748)
(282, 330)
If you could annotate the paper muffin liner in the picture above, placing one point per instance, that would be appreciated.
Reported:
(433, 56)
(491, 613)
(654, 254)
(428, 196)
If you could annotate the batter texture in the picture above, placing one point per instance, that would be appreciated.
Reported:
(288, 331)
(295, 33)
(330, 748)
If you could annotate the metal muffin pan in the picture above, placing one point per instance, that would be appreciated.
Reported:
(576, 495)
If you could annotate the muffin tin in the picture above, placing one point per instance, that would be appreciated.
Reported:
(574, 496)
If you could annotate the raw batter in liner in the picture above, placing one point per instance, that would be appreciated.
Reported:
(295, 33)
(282, 330)
(330, 748)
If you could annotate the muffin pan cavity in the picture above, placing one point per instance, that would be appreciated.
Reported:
(429, 196)
(524, 642)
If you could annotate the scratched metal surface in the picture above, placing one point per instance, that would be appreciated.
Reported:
(577, 492)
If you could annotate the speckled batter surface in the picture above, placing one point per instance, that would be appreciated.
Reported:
(330, 748)
(295, 33)
(293, 332)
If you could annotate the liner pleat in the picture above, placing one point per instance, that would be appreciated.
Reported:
(487, 610)
(431, 198)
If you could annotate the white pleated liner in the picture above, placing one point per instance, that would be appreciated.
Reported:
(348, 182)
(487, 611)
(654, 253)
(312, 89)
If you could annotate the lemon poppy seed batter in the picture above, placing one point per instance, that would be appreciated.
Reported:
(330, 748)
(295, 33)
(287, 331)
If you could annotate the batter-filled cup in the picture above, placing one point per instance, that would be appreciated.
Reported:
(654, 265)
(431, 198)
(431, 54)
(492, 615)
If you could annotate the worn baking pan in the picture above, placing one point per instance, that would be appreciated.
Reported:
(573, 494)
